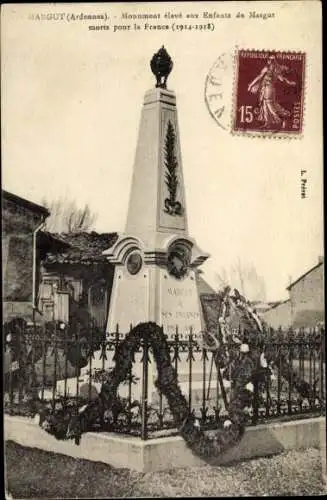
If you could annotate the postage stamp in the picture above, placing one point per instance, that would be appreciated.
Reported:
(269, 93)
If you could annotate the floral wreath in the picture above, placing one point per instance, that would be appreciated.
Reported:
(249, 364)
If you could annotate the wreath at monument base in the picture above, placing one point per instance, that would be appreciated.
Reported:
(69, 423)
(248, 358)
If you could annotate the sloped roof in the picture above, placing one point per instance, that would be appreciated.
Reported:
(203, 287)
(277, 304)
(82, 247)
(49, 244)
(34, 207)
(320, 263)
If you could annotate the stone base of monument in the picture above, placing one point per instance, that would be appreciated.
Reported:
(167, 452)
(202, 386)
(69, 388)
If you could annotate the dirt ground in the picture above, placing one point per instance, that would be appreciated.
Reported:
(32, 473)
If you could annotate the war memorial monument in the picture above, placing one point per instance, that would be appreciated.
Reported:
(156, 260)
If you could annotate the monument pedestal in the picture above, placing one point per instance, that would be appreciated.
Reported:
(152, 292)
(155, 259)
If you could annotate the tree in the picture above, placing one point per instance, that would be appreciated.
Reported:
(67, 217)
(244, 277)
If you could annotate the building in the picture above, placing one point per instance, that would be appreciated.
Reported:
(51, 276)
(307, 300)
(74, 264)
(63, 276)
(279, 315)
(305, 306)
(76, 278)
(21, 222)
(261, 307)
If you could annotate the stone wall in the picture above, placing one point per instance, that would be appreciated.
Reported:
(19, 221)
(279, 316)
(18, 270)
(307, 298)
(21, 309)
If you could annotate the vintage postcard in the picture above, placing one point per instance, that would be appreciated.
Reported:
(162, 249)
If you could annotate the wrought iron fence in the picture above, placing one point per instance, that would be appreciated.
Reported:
(56, 365)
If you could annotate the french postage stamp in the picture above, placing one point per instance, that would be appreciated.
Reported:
(269, 93)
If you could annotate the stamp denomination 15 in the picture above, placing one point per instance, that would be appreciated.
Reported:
(269, 92)
(257, 92)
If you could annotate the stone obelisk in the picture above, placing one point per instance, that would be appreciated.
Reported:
(156, 259)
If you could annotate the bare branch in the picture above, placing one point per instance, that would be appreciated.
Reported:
(244, 277)
(66, 216)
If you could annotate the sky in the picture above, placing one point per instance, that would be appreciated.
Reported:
(71, 106)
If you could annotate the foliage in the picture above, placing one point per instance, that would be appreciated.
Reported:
(66, 347)
(247, 355)
(171, 162)
(172, 206)
(244, 277)
(67, 217)
(273, 351)
(167, 383)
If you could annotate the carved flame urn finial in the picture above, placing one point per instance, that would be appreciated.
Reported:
(161, 66)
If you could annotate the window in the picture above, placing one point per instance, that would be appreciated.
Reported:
(97, 295)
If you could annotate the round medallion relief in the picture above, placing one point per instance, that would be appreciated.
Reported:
(134, 263)
(178, 261)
